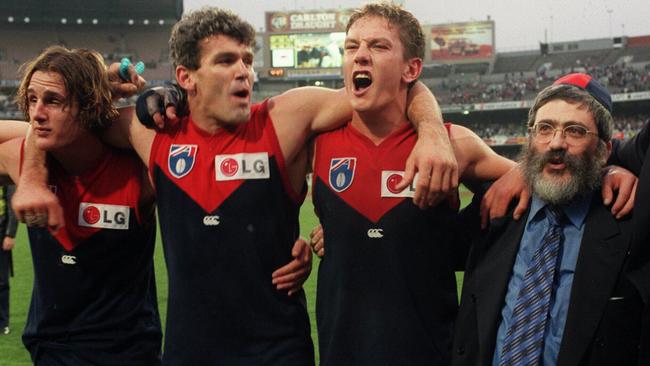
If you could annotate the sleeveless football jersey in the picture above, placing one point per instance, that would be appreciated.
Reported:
(386, 285)
(229, 218)
(94, 291)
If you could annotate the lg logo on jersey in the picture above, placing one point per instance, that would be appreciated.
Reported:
(242, 166)
(211, 220)
(103, 216)
(375, 233)
(390, 179)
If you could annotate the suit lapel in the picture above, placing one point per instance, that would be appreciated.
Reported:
(493, 276)
(602, 253)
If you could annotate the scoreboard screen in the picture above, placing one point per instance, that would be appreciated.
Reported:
(307, 50)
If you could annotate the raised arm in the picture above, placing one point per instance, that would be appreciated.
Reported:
(12, 129)
(511, 186)
(33, 202)
(631, 153)
(432, 156)
(476, 160)
(9, 161)
(128, 132)
(33, 197)
(300, 113)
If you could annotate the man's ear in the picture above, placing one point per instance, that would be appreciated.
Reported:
(185, 78)
(412, 70)
(608, 148)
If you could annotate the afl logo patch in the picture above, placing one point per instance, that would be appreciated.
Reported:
(242, 166)
(103, 216)
(342, 173)
(389, 181)
(181, 159)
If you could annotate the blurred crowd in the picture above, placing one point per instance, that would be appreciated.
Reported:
(619, 78)
(503, 133)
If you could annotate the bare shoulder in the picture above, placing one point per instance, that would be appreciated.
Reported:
(458, 133)
(10, 152)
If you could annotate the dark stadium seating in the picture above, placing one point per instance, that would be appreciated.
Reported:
(506, 63)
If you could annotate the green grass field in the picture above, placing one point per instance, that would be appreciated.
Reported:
(12, 352)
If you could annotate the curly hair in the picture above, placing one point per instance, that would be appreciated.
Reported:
(410, 31)
(85, 81)
(202, 23)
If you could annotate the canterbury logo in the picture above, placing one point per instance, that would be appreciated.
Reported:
(211, 220)
(68, 259)
(376, 233)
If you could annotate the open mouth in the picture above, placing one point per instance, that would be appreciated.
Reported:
(361, 80)
(556, 162)
(242, 93)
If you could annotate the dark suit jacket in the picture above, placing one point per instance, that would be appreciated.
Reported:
(604, 321)
(633, 155)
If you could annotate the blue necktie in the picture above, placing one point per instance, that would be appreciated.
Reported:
(525, 337)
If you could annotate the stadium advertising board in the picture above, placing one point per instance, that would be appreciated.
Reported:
(310, 40)
(462, 41)
(307, 50)
(313, 21)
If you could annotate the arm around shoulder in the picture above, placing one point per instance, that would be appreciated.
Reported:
(10, 160)
(477, 160)
(128, 132)
(12, 129)
(310, 109)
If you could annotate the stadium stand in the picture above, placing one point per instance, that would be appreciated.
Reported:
(140, 30)
(515, 62)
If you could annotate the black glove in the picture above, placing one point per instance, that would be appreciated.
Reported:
(156, 100)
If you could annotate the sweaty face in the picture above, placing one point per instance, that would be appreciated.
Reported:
(557, 171)
(52, 117)
(373, 63)
(224, 80)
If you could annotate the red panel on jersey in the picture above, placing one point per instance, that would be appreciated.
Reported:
(116, 182)
(192, 158)
(332, 150)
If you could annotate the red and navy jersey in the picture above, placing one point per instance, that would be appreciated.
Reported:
(386, 285)
(229, 218)
(94, 288)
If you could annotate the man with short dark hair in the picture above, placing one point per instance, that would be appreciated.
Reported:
(229, 179)
(554, 288)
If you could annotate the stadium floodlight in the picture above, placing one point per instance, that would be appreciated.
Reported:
(145, 22)
(10, 19)
(95, 21)
(26, 19)
(161, 22)
(64, 21)
(79, 21)
(131, 22)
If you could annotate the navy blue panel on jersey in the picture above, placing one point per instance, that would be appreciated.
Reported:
(388, 300)
(228, 222)
(386, 285)
(97, 301)
(94, 299)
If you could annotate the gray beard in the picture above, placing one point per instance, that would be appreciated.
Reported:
(585, 174)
